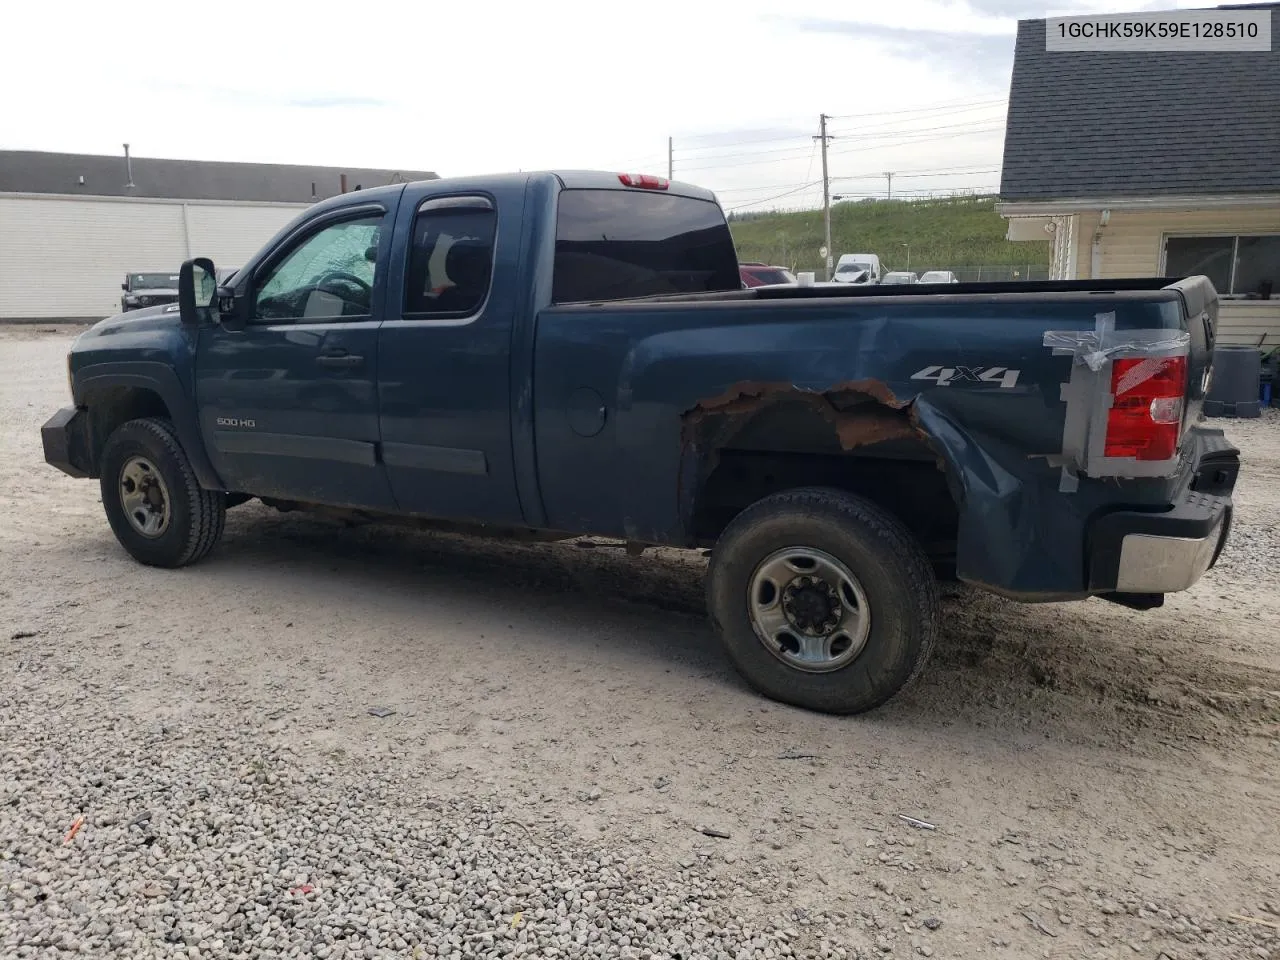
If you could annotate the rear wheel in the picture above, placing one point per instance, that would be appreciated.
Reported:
(823, 600)
(156, 507)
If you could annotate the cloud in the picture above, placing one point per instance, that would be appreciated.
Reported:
(326, 103)
(1019, 9)
(987, 57)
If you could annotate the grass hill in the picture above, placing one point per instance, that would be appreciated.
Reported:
(951, 233)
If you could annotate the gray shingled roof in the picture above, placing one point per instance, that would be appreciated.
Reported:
(1086, 125)
(29, 171)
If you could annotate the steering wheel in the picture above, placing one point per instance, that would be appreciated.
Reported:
(346, 277)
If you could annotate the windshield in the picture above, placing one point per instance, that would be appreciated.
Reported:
(153, 281)
(853, 267)
(769, 275)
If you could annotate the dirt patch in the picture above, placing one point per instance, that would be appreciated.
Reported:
(1102, 782)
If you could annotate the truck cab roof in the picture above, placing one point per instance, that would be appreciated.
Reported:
(566, 179)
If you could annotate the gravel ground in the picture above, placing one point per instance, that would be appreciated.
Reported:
(365, 742)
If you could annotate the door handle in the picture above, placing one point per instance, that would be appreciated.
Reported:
(339, 358)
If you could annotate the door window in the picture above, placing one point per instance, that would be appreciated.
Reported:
(451, 260)
(327, 276)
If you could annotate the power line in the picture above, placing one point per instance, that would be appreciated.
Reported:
(914, 140)
(872, 134)
(752, 203)
(749, 153)
(934, 109)
(736, 143)
(891, 126)
(951, 172)
(904, 137)
(956, 106)
(911, 131)
(942, 172)
(812, 153)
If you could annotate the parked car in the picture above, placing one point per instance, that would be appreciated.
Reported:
(761, 274)
(851, 265)
(827, 445)
(938, 276)
(148, 290)
(899, 276)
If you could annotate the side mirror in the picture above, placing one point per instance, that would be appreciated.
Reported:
(197, 288)
(125, 287)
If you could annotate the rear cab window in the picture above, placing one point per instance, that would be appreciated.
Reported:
(620, 244)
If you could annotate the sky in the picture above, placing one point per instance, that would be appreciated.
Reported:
(916, 87)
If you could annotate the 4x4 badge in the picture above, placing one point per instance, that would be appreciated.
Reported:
(948, 376)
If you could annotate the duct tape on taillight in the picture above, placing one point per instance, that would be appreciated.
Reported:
(1125, 400)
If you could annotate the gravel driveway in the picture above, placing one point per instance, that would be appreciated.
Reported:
(363, 742)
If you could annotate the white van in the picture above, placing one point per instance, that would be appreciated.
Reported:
(857, 268)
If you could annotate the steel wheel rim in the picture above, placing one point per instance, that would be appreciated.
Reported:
(144, 497)
(808, 609)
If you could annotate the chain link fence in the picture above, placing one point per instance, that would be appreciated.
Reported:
(996, 272)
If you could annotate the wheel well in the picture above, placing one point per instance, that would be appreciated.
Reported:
(848, 440)
(109, 407)
(913, 490)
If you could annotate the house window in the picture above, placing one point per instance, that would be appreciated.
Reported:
(1237, 266)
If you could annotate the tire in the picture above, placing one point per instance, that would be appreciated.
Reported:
(192, 518)
(882, 641)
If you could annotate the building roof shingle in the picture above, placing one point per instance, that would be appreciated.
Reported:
(30, 171)
(1141, 124)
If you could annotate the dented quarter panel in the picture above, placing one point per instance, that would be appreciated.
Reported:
(664, 368)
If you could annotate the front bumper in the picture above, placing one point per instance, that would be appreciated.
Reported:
(65, 436)
(1141, 552)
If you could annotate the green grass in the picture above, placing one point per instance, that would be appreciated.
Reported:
(944, 234)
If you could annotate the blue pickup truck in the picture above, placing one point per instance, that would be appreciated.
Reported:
(559, 354)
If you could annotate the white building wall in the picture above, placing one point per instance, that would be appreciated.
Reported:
(1131, 244)
(65, 257)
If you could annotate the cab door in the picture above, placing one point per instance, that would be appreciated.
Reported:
(445, 352)
(288, 404)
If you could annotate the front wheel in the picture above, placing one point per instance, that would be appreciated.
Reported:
(823, 600)
(156, 507)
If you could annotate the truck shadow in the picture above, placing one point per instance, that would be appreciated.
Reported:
(1085, 672)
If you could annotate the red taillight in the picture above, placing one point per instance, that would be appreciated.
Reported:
(1145, 420)
(644, 181)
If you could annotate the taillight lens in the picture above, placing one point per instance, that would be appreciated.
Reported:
(1145, 420)
(644, 181)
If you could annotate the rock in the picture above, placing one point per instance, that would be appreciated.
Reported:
(931, 923)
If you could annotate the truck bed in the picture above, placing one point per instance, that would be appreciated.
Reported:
(1005, 288)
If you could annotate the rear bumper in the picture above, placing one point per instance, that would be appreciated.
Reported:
(1140, 552)
(65, 436)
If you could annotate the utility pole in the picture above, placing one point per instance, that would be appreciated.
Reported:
(671, 158)
(828, 255)
(889, 174)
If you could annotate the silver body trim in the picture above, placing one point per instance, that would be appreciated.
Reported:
(1151, 564)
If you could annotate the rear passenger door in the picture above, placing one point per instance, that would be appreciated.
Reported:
(444, 354)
